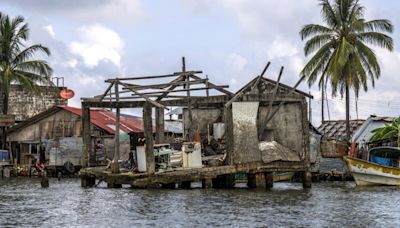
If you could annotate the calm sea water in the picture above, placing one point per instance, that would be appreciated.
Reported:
(23, 203)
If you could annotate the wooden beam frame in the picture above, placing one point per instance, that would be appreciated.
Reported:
(143, 96)
(249, 86)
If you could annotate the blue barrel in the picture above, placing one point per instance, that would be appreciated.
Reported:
(3, 155)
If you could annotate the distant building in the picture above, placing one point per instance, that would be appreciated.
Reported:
(25, 105)
(60, 129)
(336, 129)
(364, 133)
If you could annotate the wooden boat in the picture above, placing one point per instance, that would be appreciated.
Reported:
(381, 167)
(285, 176)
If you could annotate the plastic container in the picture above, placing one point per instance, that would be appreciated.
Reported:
(3, 155)
(191, 153)
(219, 130)
(141, 158)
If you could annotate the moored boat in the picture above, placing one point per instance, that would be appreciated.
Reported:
(381, 168)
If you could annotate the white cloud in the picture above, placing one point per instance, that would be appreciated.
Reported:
(115, 10)
(49, 29)
(236, 61)
(97, 43)
(281, 48)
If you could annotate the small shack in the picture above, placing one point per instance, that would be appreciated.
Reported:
(262, 128)
(59, 129)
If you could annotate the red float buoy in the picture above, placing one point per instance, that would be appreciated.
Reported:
(67, 93)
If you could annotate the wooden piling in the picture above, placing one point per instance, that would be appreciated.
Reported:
(256, 180)
(185, 184)
(148, 133)
(117, 123)
(87, 158)
(269, 180)
(207, 183)
(159, 125)
(87, 182)
(307, 179)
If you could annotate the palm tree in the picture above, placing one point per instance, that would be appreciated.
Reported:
(387, 131)
(16, 64)
(342, 55)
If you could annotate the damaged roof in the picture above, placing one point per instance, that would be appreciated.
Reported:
(106, 120)
(336, 129)
(99, 117)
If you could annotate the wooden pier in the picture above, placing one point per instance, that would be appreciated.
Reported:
(259, 175)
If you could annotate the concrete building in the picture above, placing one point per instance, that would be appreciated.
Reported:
(25, 105)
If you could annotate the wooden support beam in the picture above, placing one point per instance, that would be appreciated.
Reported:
(307, 179)
(117, 125)
(261, 75)
(249, 86)
(164, 85)
(183, 90)
(101, 97)
(159, 125)
(142, 77)
(87, 156)
(283, 102)
(189, 105)
(172, 87)
(211, 101)
(264, 121)
(213, 86)
(269, 180)
(240, 93)
(229, 135)
(143, 95)
(148, 133)
(207, 183)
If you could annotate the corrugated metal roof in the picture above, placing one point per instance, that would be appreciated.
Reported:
(364, 132)
(336, 129)
(106, 120)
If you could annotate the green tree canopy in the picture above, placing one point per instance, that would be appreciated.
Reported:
(341, 55)
(16, 63)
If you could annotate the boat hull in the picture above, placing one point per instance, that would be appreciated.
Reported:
(368, 174)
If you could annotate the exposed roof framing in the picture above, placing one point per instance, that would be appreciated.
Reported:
(151, 90)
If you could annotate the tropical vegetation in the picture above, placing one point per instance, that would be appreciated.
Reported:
(388, 131)
(341, 55)
(17, 65)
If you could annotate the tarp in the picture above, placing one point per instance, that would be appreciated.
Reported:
(273, 151)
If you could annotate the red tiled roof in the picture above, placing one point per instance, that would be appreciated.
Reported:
(106, 120)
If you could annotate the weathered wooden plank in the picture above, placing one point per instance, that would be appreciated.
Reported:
(164, 85)
(145, 179)
(144, 96)
(87, 158)
(213, 86)
(283, 102)
(264, 121)
(159, 125)
(117, 123)
(148, 133)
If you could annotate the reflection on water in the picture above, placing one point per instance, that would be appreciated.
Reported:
(65, 203)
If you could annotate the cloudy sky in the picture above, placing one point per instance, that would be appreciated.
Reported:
(230, 40)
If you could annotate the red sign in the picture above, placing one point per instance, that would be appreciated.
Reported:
(67, 93)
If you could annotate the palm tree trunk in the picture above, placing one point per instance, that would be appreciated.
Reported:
(4, 129)
(347, 114)
(322, 104)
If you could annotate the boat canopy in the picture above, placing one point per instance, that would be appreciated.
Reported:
(385, 152)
